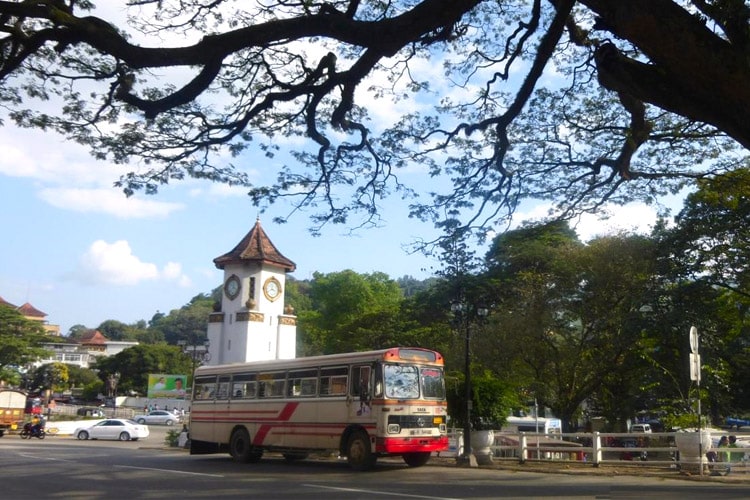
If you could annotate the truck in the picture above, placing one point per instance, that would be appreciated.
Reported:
(12, 408)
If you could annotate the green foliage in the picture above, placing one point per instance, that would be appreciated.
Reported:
(80, 377)
(50, 376)
(351, 312)
(712, 237)
(77, 331)
(135, 363)
(187, 323)
(19, 338)
(492, 400)
(93, 389)
(10, 376)
(566, 325)
(172, 437)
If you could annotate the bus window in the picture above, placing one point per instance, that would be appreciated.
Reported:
(333, 381)
(244, 386)
(433, 386)
(303, 383)
(272, 384)
(401, 381)
(222, 391)
(205, 387)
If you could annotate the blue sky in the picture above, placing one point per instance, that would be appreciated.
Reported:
(80, 251)
(77, 249)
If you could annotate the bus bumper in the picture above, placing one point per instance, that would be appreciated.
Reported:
(397, 445)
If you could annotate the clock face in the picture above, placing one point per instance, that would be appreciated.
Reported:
(272, 289)
(232, 287)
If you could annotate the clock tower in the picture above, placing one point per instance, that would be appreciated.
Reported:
(253, 324)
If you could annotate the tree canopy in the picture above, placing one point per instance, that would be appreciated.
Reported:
(577, 102)
(19, 340)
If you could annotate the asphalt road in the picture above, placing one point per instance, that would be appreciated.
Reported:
(64, 468)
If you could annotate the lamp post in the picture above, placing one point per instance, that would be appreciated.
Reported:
(198, 352)
(462, 311)
(112, 380)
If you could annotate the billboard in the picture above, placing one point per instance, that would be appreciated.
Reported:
(161, 385)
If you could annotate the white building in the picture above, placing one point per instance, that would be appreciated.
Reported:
(84, 351)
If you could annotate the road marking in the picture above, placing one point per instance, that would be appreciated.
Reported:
(51, 459)
(371, 492)
(169, 470)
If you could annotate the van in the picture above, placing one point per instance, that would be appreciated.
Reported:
(640, 428)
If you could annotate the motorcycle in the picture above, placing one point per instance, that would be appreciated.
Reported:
(30, 430)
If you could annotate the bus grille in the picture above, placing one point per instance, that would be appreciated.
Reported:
(413, 421)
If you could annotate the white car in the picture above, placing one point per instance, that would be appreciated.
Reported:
(158, 417)
(113, 428)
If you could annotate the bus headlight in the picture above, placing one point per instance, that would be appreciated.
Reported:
(394, 428)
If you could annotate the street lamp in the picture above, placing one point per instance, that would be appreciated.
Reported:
(462, 311)
(198, 352)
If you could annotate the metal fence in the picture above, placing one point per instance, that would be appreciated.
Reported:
(652, 449)
(88, 411)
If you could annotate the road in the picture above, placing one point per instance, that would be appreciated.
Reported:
(64, 468)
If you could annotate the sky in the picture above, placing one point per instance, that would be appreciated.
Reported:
(77, 249)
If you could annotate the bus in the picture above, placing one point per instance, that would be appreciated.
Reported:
(362, 405)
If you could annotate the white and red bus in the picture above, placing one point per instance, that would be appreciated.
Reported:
(361, 405)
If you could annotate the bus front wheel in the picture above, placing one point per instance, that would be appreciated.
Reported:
(359, 452)
(242, 449)
(416, 459)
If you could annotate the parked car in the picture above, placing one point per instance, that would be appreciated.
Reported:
(640, 428)
(158, 417)
(113, 428)
(90, 412)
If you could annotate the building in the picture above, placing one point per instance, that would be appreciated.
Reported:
(84, 351)
(254, 324)
(32, 313)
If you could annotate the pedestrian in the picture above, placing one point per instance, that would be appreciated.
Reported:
(723, 443)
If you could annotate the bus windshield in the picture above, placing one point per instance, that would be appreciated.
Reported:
(403, 382)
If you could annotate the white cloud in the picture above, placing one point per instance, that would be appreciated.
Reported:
(110, 201)
(115, 264)
(633, 218)
(173, 272)
(218, 191)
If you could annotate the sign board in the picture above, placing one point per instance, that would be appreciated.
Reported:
(693, 340)
(161, 385)
(695, 367)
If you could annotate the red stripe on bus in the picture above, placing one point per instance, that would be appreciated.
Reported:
(284, 416)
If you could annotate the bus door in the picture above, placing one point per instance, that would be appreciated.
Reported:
(360, 393)
(202, 408)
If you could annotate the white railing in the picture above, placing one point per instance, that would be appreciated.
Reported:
(653, 449)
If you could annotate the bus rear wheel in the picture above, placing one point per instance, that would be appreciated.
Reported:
(416, 459)
(242, 449)
(359, 452)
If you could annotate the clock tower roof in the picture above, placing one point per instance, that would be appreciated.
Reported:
(256, 246)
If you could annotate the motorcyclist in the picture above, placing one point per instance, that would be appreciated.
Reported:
(37, 424)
